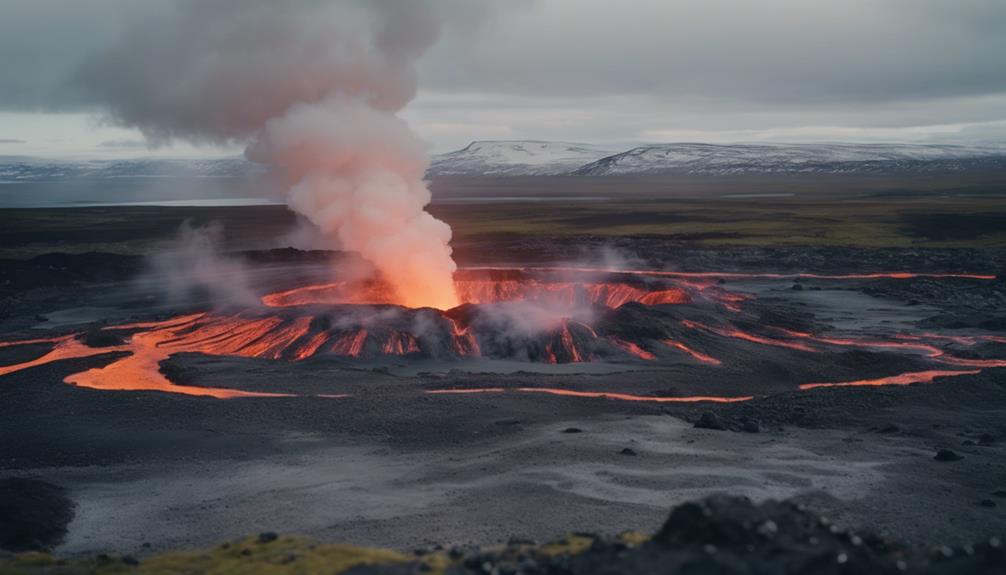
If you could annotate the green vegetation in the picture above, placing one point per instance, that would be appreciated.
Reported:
(883, 217)
(813, 221)
(284, 555)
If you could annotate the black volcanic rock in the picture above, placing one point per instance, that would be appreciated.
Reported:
(34, 514)
(947, 455)
(736, 522)
(721, 535)
(101, 338)
(709, 420)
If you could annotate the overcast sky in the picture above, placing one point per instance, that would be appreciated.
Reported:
(600, 71)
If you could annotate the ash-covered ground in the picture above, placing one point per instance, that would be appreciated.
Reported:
(417, 448)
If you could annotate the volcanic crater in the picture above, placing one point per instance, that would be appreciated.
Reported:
(636, 319)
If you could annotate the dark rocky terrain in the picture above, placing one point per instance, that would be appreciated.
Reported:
(361, 453)
(720, 534)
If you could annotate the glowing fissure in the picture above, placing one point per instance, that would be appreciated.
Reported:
(350, 344)
(966, 340)
(401, 343)
(772, 276)
(911, 343)
(558, 294)
(695, 354)
(32, 341)
(925, 349)
(592, 394)
(632, 348)
(569, 343)
(900, 379)
(463, 342)
(738, 334)
(312, 345)
(66, 347)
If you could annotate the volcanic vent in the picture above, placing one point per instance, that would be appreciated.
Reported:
(542, 316)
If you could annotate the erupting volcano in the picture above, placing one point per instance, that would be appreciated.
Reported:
(551, 316)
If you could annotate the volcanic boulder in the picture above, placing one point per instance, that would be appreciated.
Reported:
(34, 514)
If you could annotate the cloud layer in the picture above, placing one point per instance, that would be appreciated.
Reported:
(574, 69)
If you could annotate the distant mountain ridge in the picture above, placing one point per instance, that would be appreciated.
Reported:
(527, 158)
(713, 159)
(21, 169)
(517, 158)
(504, 158)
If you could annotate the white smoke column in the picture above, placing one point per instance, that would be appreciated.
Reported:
(314, 86)
(358, 174)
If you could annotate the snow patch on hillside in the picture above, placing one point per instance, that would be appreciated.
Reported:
(783, 158)
(523, 157)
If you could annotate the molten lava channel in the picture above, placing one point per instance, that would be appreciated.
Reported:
(592, 394)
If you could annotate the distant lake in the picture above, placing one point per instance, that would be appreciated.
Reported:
(91, 192)
(188, 192)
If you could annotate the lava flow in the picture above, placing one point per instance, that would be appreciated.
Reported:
(548, 316)
(910, 378)
(474, 287)
(594, 395)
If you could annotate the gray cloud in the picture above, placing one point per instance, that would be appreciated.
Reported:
(557, 69)
(123, 144)
(785, 51)
(44, 42)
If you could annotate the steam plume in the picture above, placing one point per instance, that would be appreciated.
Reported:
(314, 87)
(193, 267)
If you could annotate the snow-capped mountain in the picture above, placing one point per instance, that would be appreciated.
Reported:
(20, 169)
(539, 158)
(714, 159)
(516, 158)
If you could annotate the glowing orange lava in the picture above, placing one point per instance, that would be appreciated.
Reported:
(914, 345)
(900, 379)
(695, 354)
(482, 291)
(774, 276)
(300, 334)
(593, 395)
(350, 344)
(31, 341)
(736, 333)
(138, 371)
(633, 348)
(68, 347)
